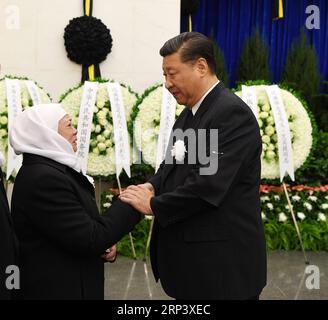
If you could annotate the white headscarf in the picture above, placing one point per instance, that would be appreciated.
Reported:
(35, 131)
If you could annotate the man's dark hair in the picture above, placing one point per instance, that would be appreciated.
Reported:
(192, 46)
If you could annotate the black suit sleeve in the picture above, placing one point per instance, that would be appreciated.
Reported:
(238, 138)
(58, 215)
(155, 180)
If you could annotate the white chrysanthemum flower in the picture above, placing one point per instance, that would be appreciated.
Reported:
(313, 198)
(265, 198)
(296, 198)
(276, 197)
(264, 115)
(107, 205)
(263, 216)
(324, 206)
(270, 206)
(299, 124)
(326, 197)
(301, 215)
(282, 217)
(287, 207)
(3, 120)
(321, 216)
(307, 205)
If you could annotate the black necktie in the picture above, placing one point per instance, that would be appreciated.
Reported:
(189, 119)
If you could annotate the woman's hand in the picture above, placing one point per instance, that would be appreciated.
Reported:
(110, 254)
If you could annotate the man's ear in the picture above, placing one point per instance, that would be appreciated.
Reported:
(202, 66)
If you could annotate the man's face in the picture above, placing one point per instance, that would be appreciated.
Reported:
(181, 79)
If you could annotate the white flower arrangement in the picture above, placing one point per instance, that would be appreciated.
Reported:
(147, 123)
(279, 225)
(300, 131)
(101, 159)
(26, 101)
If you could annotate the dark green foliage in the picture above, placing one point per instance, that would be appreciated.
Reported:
(254, 60)
(283, 236)
(221, 68)
(315, 171)
(301, 69)
(320, 109)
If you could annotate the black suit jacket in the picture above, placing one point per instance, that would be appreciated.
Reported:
(8, 242)
(61, 233)
(208, 240)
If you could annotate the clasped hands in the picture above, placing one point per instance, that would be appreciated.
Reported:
(138, 196)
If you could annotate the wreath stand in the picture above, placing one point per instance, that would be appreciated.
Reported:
(295, 222)
(149, 236)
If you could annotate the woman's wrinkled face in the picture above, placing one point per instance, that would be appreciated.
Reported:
(66, 130)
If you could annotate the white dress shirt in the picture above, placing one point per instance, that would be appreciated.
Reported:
(196, 106)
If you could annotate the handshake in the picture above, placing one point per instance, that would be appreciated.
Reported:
(139, 198)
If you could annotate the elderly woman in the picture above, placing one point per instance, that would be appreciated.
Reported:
(63, 239)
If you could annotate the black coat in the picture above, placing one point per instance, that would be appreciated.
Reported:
(8, 242)
(61, 234)
(208, 240)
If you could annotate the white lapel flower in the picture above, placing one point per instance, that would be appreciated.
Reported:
(178, 151)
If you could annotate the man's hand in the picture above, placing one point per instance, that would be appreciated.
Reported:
(110, 254)
(148, 185)
(139, 197)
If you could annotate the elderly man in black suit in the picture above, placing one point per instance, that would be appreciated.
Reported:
(208, 240)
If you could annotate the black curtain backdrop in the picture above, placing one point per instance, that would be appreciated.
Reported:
(231, 22)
